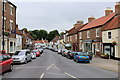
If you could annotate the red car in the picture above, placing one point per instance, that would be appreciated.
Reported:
(37, 52)
(6, 63)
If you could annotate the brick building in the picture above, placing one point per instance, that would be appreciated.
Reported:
(9, 26)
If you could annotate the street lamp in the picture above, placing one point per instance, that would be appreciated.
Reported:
(3, 41)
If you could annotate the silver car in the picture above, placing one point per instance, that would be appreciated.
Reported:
(33, 55)
(22, 56)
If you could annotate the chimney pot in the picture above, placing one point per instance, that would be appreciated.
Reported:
(117, 8)
(91, 18)
(108, 11)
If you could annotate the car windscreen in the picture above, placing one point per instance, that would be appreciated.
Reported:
(19, 53)
(83, 54)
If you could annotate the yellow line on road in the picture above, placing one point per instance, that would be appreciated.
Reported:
(106, 68)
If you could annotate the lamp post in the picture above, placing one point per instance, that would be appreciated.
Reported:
(3, 41)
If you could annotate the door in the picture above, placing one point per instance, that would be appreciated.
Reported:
(112, 52)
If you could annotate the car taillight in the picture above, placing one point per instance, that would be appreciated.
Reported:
(79, 57)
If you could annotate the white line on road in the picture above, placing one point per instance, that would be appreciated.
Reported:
(41, 76)
(49, 66)
(71, 76)
(56, 67)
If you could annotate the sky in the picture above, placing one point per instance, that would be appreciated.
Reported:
(61, 14)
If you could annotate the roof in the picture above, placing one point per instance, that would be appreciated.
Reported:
(98, 22)
(55, 39)
(41, 41)
(113, 24)
(69, 31)
(18, 32)
(75, 30)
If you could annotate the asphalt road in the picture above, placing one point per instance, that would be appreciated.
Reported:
(52, 65)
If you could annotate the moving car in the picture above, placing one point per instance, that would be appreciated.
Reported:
(22, 56)
(37, 52)
(81, 56)
(6, 62)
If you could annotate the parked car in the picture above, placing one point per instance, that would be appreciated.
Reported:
(66, 52)
(81, 56)
(22, 56)
(33, 55)
(59, 51)
(41, 50)
(37, 52)
(63, 52)
(6, 62)
(70, 55)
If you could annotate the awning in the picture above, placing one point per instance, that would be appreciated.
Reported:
(68, 45)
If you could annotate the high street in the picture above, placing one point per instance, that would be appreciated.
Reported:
(52, 65)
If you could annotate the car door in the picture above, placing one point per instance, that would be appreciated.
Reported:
(28, 55)
(5, 63)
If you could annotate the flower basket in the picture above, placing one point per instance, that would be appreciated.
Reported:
(105, 56)
(114, 43)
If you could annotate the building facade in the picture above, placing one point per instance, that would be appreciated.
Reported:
(9, 27)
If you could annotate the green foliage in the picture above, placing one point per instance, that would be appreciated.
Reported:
(6, 33)
(43, 34)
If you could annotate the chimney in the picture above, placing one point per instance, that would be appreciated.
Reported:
(91, 18)
(79, 23)
(117, 8)
(108, 11)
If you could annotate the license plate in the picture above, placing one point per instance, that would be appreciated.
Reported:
(84, 57)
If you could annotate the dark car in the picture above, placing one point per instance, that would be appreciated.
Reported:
(6, 62)
(70, 55)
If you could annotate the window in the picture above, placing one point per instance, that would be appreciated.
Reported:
(4, 6)
(80, 35)
(88, 34)
(109, 35)
(4, 22)
(76, 37)
(97, 32)
(11, 46)
(11, 10)
(11, 25)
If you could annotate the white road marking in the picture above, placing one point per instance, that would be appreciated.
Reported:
(71, 76)
(42, 76)
(57, 67)
(49, 66)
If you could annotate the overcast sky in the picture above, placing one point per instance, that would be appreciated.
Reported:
(42, 14)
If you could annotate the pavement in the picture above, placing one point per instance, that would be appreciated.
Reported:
(108, 64)
(51, 65)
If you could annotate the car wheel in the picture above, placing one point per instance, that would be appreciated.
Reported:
(25, 61)
(88, 61)
(76, 60)
(11, 68)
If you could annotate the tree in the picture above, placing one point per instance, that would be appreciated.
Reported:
(52, 35)
(62, 33)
